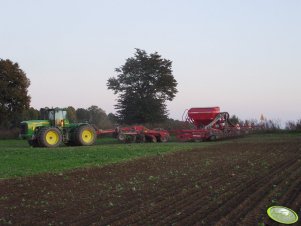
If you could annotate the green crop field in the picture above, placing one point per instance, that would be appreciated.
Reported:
(17, 159)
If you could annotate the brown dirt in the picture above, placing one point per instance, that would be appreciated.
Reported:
(228, 184)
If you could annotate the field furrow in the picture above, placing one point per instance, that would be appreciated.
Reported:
(225, 184)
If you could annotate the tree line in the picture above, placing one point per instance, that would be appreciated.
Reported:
(94, 115)
(143, 84)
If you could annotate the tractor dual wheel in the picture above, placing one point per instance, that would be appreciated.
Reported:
(50, 137)
(84, 136)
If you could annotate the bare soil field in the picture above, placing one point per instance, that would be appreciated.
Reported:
(232, 183)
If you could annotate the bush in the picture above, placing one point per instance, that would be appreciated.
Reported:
(293, 126)
(9, 133)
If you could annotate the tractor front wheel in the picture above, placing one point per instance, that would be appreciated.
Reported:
(85, 135)
(49, 137)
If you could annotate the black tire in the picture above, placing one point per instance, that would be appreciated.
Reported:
(151, 139)
(130, 138)
(121, 137)
(49, 137)
(212, 138)
(33, 143)
(163, 139)
(84, 135)
(115, 135)
(140, 138)
(70, 143)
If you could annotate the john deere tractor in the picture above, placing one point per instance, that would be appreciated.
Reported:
(55, 129)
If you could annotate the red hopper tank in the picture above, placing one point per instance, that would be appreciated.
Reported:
(203, 116)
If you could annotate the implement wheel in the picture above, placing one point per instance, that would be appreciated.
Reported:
(163, 139)
(212, 138)
(130, 138)
(84, 135)
(121, 137)
(151, 138)
(140, 138)
(49, 137)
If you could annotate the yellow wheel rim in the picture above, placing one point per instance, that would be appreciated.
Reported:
(52, 137)
(87, 136)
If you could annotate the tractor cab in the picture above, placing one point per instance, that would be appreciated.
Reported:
(56, 116)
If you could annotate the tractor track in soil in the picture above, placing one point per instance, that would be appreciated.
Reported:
(227, 184)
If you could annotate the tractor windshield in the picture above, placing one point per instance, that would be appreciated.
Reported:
(51, 115)
(56, 116)
(60, 115)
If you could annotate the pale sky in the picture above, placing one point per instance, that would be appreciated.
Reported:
(243, 56)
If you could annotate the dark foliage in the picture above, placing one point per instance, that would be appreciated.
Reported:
(99, 117)
(14, 98)
(82, 115)
(144, 83)
(31, 114)
(71, 114)
(234, 119)
(293, 126)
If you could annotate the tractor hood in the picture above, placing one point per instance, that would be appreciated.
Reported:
(28, 127)
(36, 123)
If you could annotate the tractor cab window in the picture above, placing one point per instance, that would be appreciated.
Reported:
(51, 115)
(60, 116)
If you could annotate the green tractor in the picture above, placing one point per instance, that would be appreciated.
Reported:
(55, 129)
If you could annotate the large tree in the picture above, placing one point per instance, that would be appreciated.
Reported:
(94, 115)
(82, 115)
(71, 114)
(144, 83)
(31, 114)
(14, 98)
(99, 117)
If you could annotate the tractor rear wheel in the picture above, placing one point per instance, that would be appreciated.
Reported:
(49, 137)
(84, 135)
(33, 143)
